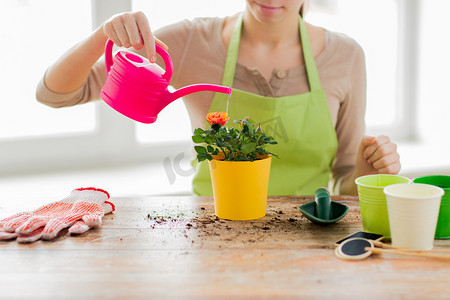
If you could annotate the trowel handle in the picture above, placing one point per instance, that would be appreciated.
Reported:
(323, 203)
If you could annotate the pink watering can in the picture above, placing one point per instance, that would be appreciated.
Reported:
(138, 89)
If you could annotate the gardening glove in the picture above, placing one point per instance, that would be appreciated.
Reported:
(81, 226)
(84, 204)
(78, 228)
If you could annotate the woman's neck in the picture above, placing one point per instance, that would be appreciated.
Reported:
(283, 33)
(269, 46)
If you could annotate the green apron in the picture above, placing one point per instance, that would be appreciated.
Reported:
(301, 124)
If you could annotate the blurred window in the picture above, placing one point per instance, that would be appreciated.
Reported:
(34, 34)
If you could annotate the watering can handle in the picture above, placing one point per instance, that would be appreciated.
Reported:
(163, 53)
(167, 61)
(108, 55)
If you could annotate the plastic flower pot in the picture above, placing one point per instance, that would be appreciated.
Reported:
(372, 201)
(240, 188)
(443, 223)
(413, 212)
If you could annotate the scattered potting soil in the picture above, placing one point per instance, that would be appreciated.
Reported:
(202, 225)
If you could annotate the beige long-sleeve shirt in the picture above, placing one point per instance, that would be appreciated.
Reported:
(198, 54)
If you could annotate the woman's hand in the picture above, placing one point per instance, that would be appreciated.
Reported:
(131, 29)
(376, 155)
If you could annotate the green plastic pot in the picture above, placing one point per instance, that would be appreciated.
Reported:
(443, 223)
(372, 201)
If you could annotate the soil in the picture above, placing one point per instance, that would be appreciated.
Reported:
(287, 222)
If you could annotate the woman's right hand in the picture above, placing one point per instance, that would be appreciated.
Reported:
(131, 29)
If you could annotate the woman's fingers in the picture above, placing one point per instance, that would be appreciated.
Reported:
(377, 142)
(382, 155)
(161, 43)
(389, 164)
(147, 36)
(381, 151)
(133, 30)
(391, 169)
(122, 34)
(110, 32)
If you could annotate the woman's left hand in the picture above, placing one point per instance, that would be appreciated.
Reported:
(377, 155)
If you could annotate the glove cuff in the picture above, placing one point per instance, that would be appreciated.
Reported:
(112, 205)
(93, 189)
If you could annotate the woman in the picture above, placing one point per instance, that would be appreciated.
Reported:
(305, 83)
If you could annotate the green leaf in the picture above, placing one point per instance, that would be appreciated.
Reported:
(200, 149)
(248, 148)
(199, 131)
(260, 150)
(210, 149)
(219, 143)
(198, 139)
(203, 156)
(251, 131)
(209, 139)
(245, 128)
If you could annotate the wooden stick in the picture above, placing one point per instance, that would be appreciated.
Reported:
(387, 246)
(399, 252)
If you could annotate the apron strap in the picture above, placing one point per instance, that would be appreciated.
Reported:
(232, 54)
(233, 50)
(310, 63)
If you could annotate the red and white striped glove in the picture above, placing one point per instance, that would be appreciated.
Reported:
(83, 209)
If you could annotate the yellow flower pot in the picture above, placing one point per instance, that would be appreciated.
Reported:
(240, 188)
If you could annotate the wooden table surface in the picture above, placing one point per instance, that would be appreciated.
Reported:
(175, 248)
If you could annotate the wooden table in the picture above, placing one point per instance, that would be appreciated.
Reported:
(174, 247)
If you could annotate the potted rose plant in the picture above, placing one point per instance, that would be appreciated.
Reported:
(239, 162)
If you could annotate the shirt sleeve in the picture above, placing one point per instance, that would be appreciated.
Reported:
(350, 125)
(89, 91)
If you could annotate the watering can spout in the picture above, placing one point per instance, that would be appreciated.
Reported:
(198, 88)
